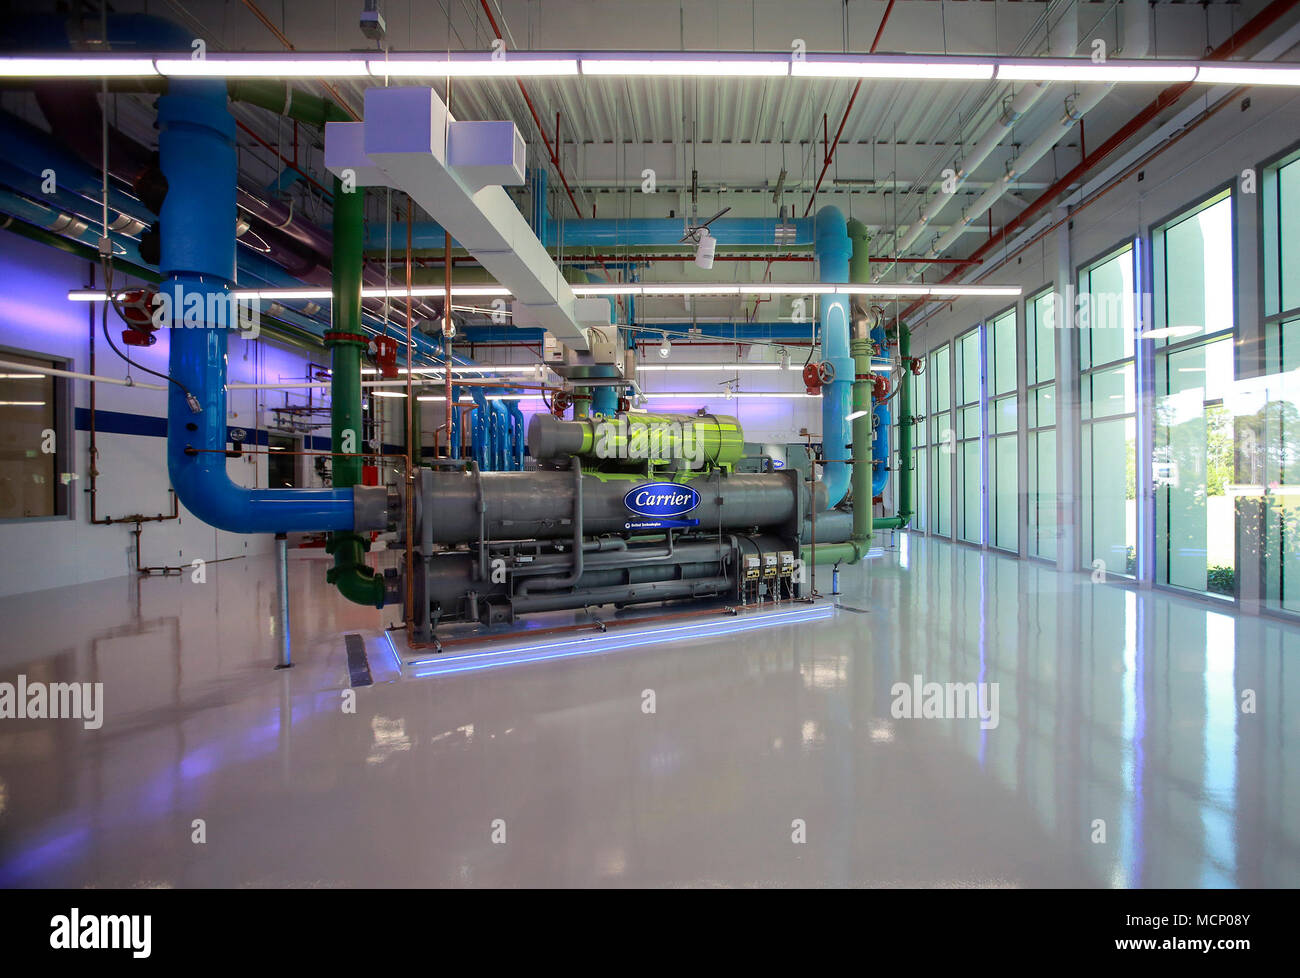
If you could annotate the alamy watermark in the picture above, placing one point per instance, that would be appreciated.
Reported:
(633, 440)
(203, 309)
(37, 700)
(919, 700)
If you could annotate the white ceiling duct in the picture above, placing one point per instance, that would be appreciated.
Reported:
(454, 170)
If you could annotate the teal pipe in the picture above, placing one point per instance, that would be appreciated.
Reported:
(833, 250)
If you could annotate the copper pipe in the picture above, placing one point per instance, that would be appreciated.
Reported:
(446, 324)
(410, 440)
(830, 154)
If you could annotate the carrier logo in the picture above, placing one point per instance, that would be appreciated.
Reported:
(661, 499)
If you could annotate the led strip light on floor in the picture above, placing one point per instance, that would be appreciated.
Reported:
(666, 64)
(443, 665)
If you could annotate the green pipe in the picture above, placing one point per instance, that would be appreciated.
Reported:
(905, 461)
(355, 580)
(283, 100)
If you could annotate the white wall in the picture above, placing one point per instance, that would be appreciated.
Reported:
(36, 316)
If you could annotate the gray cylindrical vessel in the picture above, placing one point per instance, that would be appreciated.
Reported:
(540, 505)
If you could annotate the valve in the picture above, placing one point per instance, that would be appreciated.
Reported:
(561, 403)
(826, 372)
(880, 387)
(384, 349)
(811, 379)
(136, 307)
(916, 365)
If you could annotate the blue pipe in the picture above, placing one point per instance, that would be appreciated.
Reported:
(501, 447)
(454, 444)
(833, 249)
(518, 436)
(478, 428)
(880, 441)
(197, 149)
(46, 217)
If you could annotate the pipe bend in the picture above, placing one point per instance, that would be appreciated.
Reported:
(211, 496)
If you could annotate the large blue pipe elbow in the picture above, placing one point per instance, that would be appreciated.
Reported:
(197, 149)
(833, 249)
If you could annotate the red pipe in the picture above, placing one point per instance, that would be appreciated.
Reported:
(830, 154)
(1251, 30)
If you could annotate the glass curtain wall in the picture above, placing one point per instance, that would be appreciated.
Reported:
(940, 442)
(1004, 429)
(1271, 460)
(1192, 467)
(1106, 323)
(1040, 410)
(970, 483)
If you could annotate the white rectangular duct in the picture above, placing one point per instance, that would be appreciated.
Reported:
(443, 164)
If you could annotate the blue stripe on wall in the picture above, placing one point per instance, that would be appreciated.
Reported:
(150, 426)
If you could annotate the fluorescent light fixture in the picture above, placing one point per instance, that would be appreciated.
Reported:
(1168, 332)
(22, 376)
(387, 393)
(769, 288)
(1085, 70)
(975, 290)
(1235, 74)
(886, 66)
(688, 288)
(883, 290)
(512, 65)
(429, 291)
(75, 66)
(22, 404)
(678, 65)
(855, 415)
(491, 397)
(724, 367)
(585, 290)
(718, 395)
(264, 66)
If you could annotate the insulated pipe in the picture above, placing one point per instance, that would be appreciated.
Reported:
(1136, 41)
(1063, 41)
(354, 578)
(833, 251)
(525, 505)
(717, 438)
(516, 436)
(859, 541)
(197, 149)
(578, 552)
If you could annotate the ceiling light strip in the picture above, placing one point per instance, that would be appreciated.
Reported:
(521, 64)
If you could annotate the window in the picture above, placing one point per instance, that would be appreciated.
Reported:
(940, 441)
(33, 437)
(970, 482)
(1272, 459)
(920, 457)
(1192, 465)
(1106, 321)
(1004, 429)
(1040, 410)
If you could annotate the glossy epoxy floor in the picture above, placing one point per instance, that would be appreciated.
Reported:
(1116, 706)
